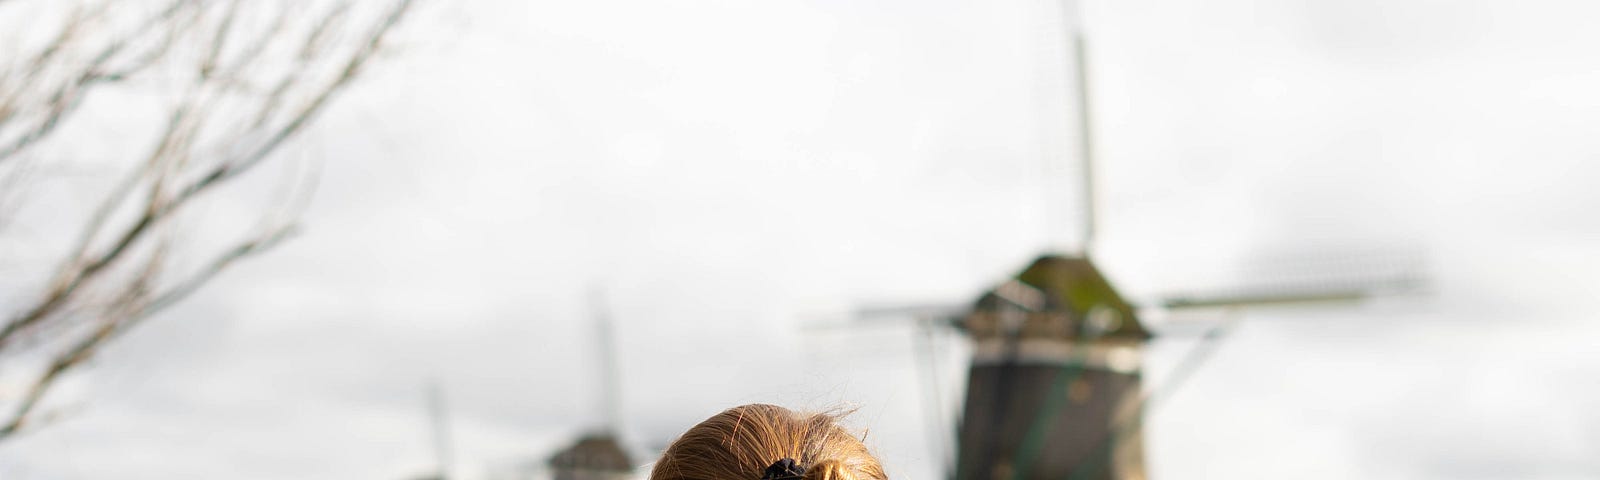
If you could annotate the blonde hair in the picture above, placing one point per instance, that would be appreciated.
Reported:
(741, 442)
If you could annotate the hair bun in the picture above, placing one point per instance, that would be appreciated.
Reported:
(742, 442)
(829, 469)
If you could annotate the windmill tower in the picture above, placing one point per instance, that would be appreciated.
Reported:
(439, 431)
(1056, 354)
(599, 454)
(1056, 360)
(1055, 383)
(1055, 386)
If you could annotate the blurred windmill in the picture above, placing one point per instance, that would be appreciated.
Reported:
(439, 431)
(599, 454)
(1055, 385)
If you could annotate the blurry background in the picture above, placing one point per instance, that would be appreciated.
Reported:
(725, 173)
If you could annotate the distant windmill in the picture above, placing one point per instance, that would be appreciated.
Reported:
(439, 429)
(599, 454)
(1055, 385)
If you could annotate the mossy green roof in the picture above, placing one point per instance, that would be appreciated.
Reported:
(1076, 285)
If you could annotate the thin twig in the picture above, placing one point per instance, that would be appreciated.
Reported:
(137, 303)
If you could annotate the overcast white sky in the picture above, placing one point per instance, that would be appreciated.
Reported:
(727, 171)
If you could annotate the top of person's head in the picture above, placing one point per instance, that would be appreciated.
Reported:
(742, 442)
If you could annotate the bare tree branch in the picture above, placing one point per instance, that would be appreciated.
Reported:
(219, 130)
(135, 309)
(67, 97)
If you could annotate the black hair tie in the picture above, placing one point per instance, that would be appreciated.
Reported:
(784, 469)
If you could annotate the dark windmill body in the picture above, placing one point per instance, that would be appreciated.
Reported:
(598, 456)
(1054, 386)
